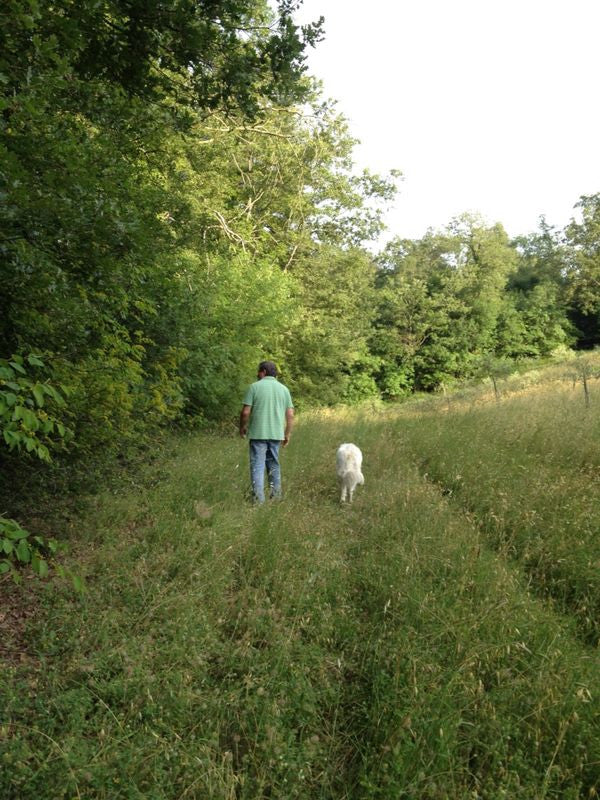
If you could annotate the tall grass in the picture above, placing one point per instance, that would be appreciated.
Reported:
(528, 470)
(297, 650)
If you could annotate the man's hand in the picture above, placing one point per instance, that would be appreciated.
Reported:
(289, 424)
(244, 419)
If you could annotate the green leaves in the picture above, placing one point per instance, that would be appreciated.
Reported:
(18, 367)
(207, 57)
(454, 298)
(38, 393)
(19, 548)
(26, 420)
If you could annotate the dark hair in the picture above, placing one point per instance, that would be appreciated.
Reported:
(268, 367)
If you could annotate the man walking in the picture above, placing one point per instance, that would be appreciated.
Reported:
(267, 417)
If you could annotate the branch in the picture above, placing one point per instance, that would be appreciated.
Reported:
(229, 232)
(291, 258)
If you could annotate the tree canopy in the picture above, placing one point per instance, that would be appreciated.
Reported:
(180, 201)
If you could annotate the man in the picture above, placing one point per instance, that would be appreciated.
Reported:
(267, 417)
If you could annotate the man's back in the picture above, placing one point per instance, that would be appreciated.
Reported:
(269, 401)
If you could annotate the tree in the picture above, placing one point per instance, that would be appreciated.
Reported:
(97, 101)
(583, 269)
(454, 299)
(441, 296)
(486, 259)
(333, 289)
(203, 55)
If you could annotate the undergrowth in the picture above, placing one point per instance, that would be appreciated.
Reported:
(387, 649)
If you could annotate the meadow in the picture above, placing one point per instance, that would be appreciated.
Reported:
(436, 639)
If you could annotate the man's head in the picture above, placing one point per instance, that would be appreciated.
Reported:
(267, 368)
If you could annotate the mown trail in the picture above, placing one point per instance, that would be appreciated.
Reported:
(300, 650)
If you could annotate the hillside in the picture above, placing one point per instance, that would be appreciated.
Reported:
(436, 639)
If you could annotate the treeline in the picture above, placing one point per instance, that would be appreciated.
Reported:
(468, 301)
(179, 201)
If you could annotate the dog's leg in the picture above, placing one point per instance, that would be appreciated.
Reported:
(344, 490)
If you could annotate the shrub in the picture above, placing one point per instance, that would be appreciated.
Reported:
(30, 426)
(27, 421)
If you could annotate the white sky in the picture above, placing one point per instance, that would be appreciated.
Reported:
(489, 106)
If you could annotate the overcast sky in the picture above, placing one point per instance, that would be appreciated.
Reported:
(490, 106)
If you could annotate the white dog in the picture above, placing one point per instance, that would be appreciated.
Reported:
(348, 468)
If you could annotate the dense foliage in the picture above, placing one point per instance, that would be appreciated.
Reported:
(179, 202)
(456, 302)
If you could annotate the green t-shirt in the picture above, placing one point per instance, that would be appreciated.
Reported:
(269, 400)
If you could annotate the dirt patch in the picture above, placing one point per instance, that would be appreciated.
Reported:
(202, 510)
(18, 605)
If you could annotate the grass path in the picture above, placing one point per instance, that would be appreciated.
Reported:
(299, 650)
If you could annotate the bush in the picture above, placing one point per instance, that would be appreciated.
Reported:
(30, 427)
(19, 547)
(27, 421)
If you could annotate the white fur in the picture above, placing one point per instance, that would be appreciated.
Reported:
(348, 467)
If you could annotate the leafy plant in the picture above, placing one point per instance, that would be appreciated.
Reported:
(18, 546)
(26, 421)
(27, 424)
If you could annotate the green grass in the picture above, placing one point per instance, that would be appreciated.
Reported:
(528, 470)
(395, 648)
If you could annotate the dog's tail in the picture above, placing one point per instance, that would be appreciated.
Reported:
(352, 474)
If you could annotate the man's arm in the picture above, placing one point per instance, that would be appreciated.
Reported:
(289, 424)
(244, 419)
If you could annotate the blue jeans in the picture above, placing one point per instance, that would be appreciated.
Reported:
(265, 453)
